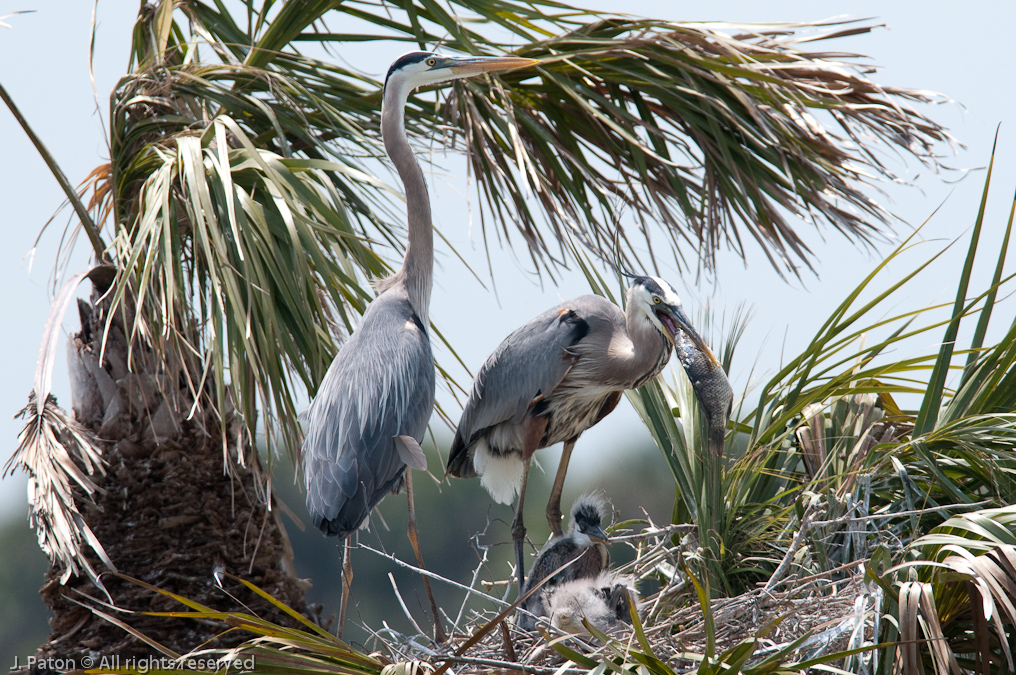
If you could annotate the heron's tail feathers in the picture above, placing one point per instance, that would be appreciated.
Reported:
(460, 459)
(500, 474)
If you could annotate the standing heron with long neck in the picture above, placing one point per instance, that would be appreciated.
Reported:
(371, 411)
(560, 374)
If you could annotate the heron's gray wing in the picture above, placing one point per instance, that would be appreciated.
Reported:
(380, 385)
(529, 363)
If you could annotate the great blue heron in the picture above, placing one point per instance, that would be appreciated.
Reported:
(370, 413)
(584, 544)
(558, 375)
(604, 601)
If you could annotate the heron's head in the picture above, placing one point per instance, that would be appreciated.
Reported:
(418, 69)
(588, 513)
(662, 307)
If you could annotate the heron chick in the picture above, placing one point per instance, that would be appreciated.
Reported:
(584, 547)
(602, 601)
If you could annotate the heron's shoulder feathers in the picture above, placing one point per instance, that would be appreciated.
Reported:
(530, 363)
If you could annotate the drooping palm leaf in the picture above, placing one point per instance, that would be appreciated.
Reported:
(956, 595)
(61, 458)
(700, 128)
(704, 128)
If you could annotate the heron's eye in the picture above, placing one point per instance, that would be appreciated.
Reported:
(431, 61)
(656, 300)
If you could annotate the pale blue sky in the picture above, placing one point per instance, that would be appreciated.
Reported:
(959, 49)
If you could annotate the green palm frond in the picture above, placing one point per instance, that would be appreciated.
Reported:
(256, 248)
(299, 647)
(701, 128)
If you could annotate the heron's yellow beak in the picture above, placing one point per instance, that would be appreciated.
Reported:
(489, 64)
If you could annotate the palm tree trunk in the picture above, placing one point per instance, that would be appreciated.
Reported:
(169, 514)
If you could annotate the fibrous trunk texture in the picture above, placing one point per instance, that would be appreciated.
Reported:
(176, 507)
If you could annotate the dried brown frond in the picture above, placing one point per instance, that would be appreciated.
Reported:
(61, 457)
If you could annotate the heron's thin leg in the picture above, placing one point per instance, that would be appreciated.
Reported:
(532, 434)
(519, 528)
(347, 580)
(414, 540)
(554, 503)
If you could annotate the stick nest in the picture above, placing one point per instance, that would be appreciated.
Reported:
(827, 612)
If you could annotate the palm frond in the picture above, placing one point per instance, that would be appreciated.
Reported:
(62, 460)
(704, 129)
(258, 249)
(960, 610)
(270, 647)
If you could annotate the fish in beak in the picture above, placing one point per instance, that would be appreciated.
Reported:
(673, 319)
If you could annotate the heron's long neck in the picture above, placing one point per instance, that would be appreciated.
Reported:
(417, 269)
(651, 350)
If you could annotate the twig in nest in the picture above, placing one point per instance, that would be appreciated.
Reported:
(402, 604)
(494, 663)
(509, 648)
(655, 532)
(784, 565)
(400, 648)
(472, 583)
(896, 514)
(430, 574)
